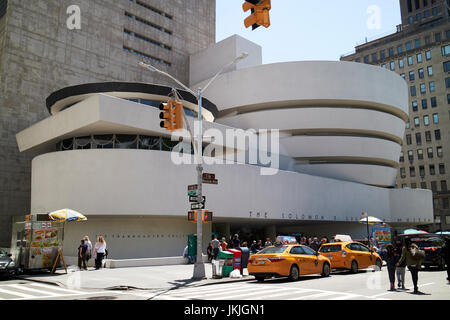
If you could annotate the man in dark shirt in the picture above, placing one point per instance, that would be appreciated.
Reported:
(82, 256)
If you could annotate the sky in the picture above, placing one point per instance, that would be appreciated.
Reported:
(310, 29)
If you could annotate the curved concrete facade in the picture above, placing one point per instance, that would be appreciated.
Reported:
(355, 112)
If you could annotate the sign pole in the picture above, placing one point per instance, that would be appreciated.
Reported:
(199, 267)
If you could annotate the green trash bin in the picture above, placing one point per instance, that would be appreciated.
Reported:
(192, 245)
(227, 258)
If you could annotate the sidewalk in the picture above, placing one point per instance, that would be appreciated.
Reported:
(146, 278)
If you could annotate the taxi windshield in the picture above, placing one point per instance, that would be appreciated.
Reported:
(276, 249)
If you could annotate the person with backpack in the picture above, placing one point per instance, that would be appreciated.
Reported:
(414, 257)
(391, 260)
(400, 270)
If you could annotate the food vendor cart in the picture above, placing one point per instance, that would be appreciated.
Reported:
(35, 244)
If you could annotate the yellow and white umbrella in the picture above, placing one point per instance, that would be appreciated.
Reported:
(68, 215)
(371, 220)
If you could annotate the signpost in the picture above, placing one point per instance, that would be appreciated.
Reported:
(209, 178)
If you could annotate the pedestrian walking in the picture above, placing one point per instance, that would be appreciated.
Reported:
(99, 252)
(446, 256)
(401, 269)
(414, 257)
(215, 247)
(224, 244)
(209, 251)
(82, 249)
(89, 248)
(391, 260)
(236, 242)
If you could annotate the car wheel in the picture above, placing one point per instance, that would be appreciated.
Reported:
(325, 270)
(354, 267)
(259, 279)
(294, 273)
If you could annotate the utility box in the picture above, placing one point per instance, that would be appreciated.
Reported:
(237, 255)
(192, 245)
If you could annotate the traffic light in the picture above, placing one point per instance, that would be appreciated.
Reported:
(192, 216)
(206, 216)
(177, 115)
(260, 13)
(172, 115)
(166, 116)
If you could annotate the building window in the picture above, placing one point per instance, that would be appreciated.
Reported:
(441, 168)
(414, 106)
(433, 102)
(366, 59)
(412, 172)
(410, 20)
(374, 57)
(448, 98)
(153, 9)
(403, 76)
(432, 170)
(445, 50)
(416, 122)
(443, 185)
(391, 52)
(417, 43)
(424, 104)
(427, 136)
(408, 125)
(446, 66)
(410, 155)
(447, 82)
(410, 61)
(428, 55)
(411, 76)
(399, 49)
(419, 57)
(148, 23)
(144, 38)
(423, 185)
(437, 37)
(426, 120)
(435, 118)
(432, 86)
(430, 153)
(418, 139)
(413, 91)
(408, 139)
(437, 134)
(433, 186)
(421, 73)
(420, 154)
(430, 70)
(439, 152)
(445, 205)
(392, 65)
(423, 88)
(401, 63)
(402, 173)
(408, 46)
(413, 185)
(421, 171)
(402, 157)
(382, 54)
(409, 3)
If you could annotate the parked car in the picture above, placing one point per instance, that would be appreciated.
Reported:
(289, 261)
(7, 265)
(351, 255)
(433, 251)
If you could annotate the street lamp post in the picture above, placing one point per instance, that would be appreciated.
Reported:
(199, 266)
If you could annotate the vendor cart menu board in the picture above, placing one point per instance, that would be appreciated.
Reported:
(44, 244)
(382, 235)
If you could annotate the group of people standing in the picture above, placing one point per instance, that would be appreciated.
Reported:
(404, 254)
(215, 246)
(86, 252)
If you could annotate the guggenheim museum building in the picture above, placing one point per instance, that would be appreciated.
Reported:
(337, 130)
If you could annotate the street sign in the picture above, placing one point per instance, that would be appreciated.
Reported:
(197, 206)
(211, 181)
(209, 176)
(193, 187)
(193, 193)
(195, 199)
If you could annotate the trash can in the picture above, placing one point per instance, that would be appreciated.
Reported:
(244, 258)
(237, 254)
(192, 248)
(226, 261)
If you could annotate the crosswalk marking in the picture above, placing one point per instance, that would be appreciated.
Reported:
(55, 288)
(24, 288)
(15, 293)
(317, 295)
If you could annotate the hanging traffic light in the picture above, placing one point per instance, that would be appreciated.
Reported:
(177, 115)
(166, 116)
(260, 13)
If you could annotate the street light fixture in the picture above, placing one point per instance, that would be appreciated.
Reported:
(199, 266)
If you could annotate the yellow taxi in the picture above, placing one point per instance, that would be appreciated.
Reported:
(287, 261)
(351, 255)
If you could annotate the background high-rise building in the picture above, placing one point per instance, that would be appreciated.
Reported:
(40, 54)
(420, 53)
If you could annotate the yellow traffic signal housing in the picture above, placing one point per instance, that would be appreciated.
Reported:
(260, 13)
(166, 116)
(206, 216)
(192, 216)
(177, 115)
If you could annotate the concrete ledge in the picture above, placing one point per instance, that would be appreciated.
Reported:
(126, 263)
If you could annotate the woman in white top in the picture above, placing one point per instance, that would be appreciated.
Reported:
(99, 252)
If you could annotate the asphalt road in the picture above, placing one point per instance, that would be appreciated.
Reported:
(365, 285)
